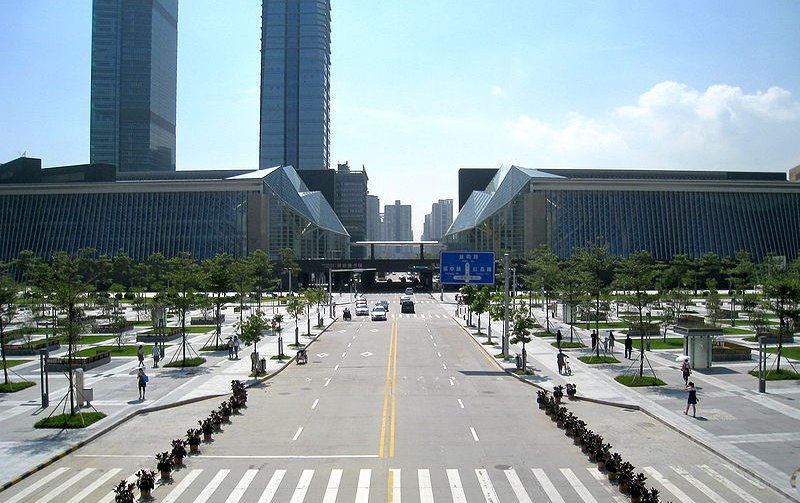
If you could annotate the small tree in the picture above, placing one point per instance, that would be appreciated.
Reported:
(635, 275)
(250, 331)
(9, 290)
(295, 306)
(521, 327)
(713, 303)
(597, 266)
(496, 310)
(544, 276)
(480, 303)
(468, 293)
(184, 277)
(277, 327)
(219, 281)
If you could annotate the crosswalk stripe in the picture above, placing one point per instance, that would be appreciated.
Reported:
(456, 489)
(302, 486)
(669, 486)
(173, 495)
(396, 485)
(272, 486)
(548, 486)
(362, 492)
(729, 484)
(517, 487)
(212, 486)
(576, 484)
(65, 485)
(606, 485)
(698, 484)
(110, 496)
(486, 486)
(39, 483)
(242, 486)
(94, 485)
(333, 486)
(425, 488)
(745, 476)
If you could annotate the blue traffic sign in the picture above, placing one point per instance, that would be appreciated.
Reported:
(466, 268)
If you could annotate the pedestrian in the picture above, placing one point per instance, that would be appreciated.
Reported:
(611, 340)
(628, 346)
(230, 348)
(692, 400)
(236, 346)
(605, 344)
(140, 354)
(560, 360)
(142, 379)
(156, 355)
(594, 340)
(686, 371)
(559, 337)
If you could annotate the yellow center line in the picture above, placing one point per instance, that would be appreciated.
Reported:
(390, 489)
(386, 388)
(394, 383)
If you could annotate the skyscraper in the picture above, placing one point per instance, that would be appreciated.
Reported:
(438, 221)
(397, 219)
(134, 84)
(295, 87)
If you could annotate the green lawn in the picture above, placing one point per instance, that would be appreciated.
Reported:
(568, 345)
(199, 330)
(603, 324)
(544, 334)
(774, 375)
(190, 362)
(115, 351)
(66, 421)
(735, 331)
(635, 380)
(84, 339)
(13, 387)
(143, 323)
(593, 360)
(12, 363)
(792, 352)
(656, 343)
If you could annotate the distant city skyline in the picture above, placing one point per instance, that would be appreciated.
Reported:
(419, 91)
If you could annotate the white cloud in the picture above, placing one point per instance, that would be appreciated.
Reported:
(675, 126)
(497, 91)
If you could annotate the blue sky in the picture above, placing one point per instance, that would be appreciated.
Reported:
(423, 88)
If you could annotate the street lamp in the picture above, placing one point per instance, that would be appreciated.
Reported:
(505, 307)
(514, 288)
(647, 332)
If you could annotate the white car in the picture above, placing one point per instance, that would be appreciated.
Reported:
(409, 291)
(378, 314)
(362, 310)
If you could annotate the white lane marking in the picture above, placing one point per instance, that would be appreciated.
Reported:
(434, 344)
(698, 484)
(336, 367)
(242, 486)
(111, 496)
(669, 486)
(576, 484)
(396, 491)
(65, 485)
(728, 483)
(33, 487)
(452, 382)
(425, 488)
(314, 405)
(486, 486)
(745, 476)
(349, 344)
(296, 435)
(456, 489)
(460, 403)
(272, 486)
(94, 485)
(302, 486)
(290, 456)
(362, 492)
(517, 487)
(173, 495)
(327, 382)
(440, 354)
(474, 435)
(334, 481)
(603, 480)
(343, 354)
(548, 486)
(212, 486)
(444, 366)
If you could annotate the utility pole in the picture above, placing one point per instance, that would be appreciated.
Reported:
(505, 308)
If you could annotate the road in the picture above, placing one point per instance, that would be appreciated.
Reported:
(410, 409)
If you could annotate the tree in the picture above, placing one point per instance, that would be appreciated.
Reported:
(9, 290)
(242, 282)
(598, 266)
(521, 327)
(184, 276)
(261, 270)
(480, 303)
(219, 281)
(544, 275)
(250, 331)
(277, 327)
(635, 275)
(288, 263)
(781, 297)
(572, 290)
(739, 274)
(713, 302)
(295, 306)
(316, 296)
(496, 310)
(468, 293)
(310, 296)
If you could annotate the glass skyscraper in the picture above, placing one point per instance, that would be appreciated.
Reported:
(133, 85)
(295, 84)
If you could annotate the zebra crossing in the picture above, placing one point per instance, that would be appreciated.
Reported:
(426, 316)
(425, 485)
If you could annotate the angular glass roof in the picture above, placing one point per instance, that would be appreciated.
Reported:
(482, 204)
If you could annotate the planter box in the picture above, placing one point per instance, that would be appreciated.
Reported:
(772, 337)
(729, 352)
(151, 336)
(31, 349)
(110, 329)
(691, 319)
(207, 321)
(85, 363)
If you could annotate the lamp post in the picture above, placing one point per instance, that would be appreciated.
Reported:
(647, 332)
(505, 307)
(514, 288)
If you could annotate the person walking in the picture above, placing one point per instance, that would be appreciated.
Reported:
(230, 348)
(628, 346)
(156, 355)
(686, 371)
(142, 379)
(560, 361)
(594, 340)
(605, 344)
(559, 337)
(140, 354)
(692, 400)
(236, 346)
(611, 340)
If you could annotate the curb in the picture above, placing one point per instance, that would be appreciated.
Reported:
(144, 410)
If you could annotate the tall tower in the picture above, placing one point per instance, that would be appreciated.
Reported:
(134, 84)
(295, 84)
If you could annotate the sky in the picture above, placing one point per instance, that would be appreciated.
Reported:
(422, 88)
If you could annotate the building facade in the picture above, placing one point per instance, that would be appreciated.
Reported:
(665, 213)
(438, 221)
(295, 84)
(134, 84)
(264, 209)
(397, 222)
(351, 200)
(373, 218)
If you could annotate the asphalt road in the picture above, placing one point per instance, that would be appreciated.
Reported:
(410, 409)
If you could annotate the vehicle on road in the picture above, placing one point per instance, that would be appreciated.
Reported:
(409, 291)
(362, 310)
(407, 306)
(378, 314)
(384, 304)
(346, 314)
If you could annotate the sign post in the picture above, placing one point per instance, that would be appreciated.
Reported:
(466, 268)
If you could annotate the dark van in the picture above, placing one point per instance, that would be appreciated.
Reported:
(407, 306)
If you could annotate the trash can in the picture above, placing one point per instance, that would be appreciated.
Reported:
(262, 365)
(518, 359)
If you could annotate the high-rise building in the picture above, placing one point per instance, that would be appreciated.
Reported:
(397, 221)
(373, 218)
(438, 220)
(134, 84)
(295, 87)
(350, 200)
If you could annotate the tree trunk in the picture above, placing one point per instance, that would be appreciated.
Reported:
(489, 327)
(547, 311)
(3, 347)
(71, 316)
(597, 324)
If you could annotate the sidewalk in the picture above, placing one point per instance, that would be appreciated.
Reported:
(757, 432)
(116, 393)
